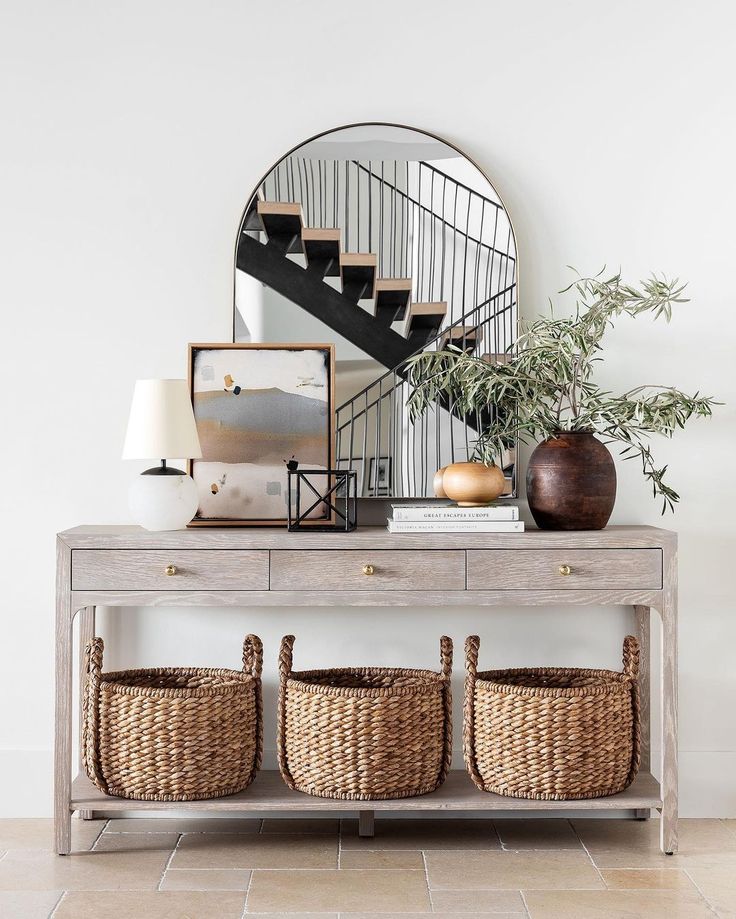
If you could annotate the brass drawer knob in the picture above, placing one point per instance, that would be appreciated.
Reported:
(170, 570)
(368, 569)
(565, 570)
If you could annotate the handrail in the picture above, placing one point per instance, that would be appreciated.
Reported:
(431, 341)
(435, 216)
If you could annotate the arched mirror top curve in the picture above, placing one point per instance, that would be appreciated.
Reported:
(387, 241)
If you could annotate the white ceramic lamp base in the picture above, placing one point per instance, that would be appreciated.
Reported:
(163, 502)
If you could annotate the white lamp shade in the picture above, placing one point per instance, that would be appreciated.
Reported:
(161, 423)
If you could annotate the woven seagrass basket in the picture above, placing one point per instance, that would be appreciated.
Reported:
(552, 733)
(364, 734)
(173, 734)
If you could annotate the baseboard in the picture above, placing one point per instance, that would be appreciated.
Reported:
(707, 788)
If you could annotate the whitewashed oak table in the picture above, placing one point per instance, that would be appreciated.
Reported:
(128, 566)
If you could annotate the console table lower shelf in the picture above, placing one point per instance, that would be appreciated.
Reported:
(268, 793)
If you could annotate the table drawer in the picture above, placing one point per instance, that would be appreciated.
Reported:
(350, 570)
(564, 569)
(189, 569)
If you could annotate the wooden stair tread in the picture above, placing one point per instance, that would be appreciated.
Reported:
(358, 273)
(392, 298)
(282, 222)
(424, 321)
(468, 336)
(322, 249)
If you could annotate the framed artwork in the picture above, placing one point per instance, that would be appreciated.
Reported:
(257, 407)
(381, 484)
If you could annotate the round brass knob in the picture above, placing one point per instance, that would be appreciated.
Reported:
(368, 569)
(565, 570)
(170, 570)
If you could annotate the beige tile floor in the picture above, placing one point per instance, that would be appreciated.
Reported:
(321, 869)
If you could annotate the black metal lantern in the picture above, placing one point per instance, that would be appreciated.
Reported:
(336, 490)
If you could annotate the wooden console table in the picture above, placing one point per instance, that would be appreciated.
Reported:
(127, 566)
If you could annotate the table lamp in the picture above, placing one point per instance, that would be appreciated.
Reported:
(162, 424)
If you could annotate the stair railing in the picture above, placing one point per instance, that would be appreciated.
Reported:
(456, 244)
(374, 423)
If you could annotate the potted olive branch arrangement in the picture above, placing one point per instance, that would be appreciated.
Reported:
(544, 391)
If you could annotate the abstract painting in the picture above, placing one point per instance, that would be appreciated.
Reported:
(258, 407)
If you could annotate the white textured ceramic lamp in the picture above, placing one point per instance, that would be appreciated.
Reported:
(162, 425)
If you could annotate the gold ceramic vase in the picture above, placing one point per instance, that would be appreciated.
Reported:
(471, 484)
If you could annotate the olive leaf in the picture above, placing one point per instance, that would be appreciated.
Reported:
(546, 385)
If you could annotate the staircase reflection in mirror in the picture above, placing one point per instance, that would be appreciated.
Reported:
(388, 241)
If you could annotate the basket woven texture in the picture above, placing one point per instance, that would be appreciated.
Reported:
(364, 734)
(553, 734)
(173, 734)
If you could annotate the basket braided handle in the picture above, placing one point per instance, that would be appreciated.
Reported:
(631, 657)
(253, 656)
(472, 646)
(286, 657)
(90, 713)
(446, 673)
(446, 657)
(631, 670)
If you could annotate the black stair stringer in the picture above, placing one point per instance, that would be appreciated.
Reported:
(269, 265)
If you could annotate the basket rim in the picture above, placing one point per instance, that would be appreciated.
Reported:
(428, 681)
(611, 682)
(238, 680)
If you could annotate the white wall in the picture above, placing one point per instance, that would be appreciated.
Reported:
(131, 136)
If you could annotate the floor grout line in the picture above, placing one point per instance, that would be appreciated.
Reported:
(702, 894)
(426, 878)
(592, 861)
(526, 905)
(168, 862)
(58, 902)
(247, 894)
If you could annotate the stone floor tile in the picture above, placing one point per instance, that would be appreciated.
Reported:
(169, 904)
(25, 904)
(318, 825)
(561, 869)
(714, 874)
(623, 858)
(137, 842)
(647, 879)
(205, 879)
(34, 869)
(422, 834)
(433, 915)
(265, 851)
(339, 891)
(184, 825)
(486, 901)
(695, 835)
(616, 904)
(537, 834)
(38, 833)
(381, 858)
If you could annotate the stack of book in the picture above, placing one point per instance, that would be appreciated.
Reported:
(449, 518)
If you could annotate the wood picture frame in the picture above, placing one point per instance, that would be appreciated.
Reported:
(243, 461)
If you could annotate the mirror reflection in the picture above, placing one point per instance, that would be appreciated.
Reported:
(386, 241)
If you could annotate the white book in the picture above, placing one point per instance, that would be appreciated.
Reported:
(469, 526)
(452, 513)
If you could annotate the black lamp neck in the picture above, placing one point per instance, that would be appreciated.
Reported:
(163, 469)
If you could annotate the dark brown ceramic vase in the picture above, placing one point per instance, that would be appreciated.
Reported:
(571, 482)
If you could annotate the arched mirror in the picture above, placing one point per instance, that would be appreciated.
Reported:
(386, 241)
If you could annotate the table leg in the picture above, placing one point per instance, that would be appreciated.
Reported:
(63, 703)
(643, 620)
(366, 824)
(668, 830)
(86, 633)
